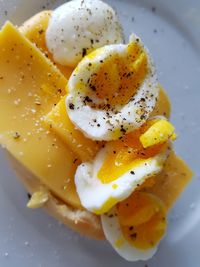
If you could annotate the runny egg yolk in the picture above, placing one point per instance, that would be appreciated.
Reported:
(118, 77)
(127, 153)
(142, 218)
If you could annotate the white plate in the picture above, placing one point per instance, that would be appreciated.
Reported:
(171, 30)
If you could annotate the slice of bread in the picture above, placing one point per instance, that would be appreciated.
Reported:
(81, 221)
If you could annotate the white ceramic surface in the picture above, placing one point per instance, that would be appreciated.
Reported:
(171, 30)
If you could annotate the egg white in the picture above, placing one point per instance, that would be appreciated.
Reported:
(78, 26)
(109, 121)
(94, 194)
(113, 233)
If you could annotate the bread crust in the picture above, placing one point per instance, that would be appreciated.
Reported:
(81, 221)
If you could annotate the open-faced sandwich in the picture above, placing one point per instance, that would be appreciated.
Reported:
(86, 126)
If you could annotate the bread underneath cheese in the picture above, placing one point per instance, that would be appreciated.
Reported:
(81, 221)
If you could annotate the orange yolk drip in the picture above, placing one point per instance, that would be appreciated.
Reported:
(119, 77)
(125, 154)
(142, 218)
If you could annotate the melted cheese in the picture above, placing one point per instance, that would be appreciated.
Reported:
(30, 86)
(35, 30)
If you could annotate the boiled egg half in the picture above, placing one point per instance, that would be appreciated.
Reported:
(135, 226)
(79, 27)
(113, 90)
(121, 167)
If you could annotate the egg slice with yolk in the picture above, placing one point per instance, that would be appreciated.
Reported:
(118, 169)
(135, 226)
(113, 90)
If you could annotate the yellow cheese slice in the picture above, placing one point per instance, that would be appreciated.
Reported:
(34, 29)
(58, 121)
(170, 183)
(30, 86)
